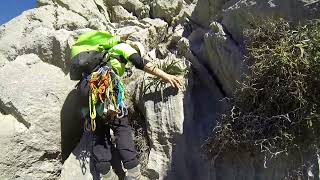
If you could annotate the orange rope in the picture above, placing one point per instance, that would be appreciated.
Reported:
(99, 86)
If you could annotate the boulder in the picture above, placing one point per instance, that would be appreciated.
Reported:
(3, 60)
(88, 9)
(118, 13)
(33, 92)
(165, 126)
(11, 126)
(166, 9)
(69, 20)
(50, 45)
(184, 15)
(136, 7)
(237, 15)
(224, 57)
(150, 32)
(14, 32)
(78, 165)
(44, 2)
(207, 11)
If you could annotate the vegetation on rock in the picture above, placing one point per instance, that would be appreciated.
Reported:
(275, 110)
(170, 65)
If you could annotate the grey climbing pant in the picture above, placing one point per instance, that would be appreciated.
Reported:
(123, 142)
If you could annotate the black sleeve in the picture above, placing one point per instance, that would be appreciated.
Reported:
(138, 61)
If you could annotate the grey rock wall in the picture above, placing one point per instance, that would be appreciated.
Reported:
(41, 136)
(33, 92)
(225, 20)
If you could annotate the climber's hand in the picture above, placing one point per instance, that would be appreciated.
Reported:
(175, 81)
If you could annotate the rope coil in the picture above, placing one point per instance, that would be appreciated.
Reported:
(107, 90)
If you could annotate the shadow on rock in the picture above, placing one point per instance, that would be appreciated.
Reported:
(200, 112)
(71, 123)
(76, 144)
(159, 96)
(80, 164)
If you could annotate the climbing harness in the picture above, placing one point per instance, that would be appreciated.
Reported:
(106, 95)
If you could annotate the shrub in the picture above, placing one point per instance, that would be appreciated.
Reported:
(275, 110)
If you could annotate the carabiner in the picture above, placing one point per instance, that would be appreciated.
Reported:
(122, 112)
(93, 125)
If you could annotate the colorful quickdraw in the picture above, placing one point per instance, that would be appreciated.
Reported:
(106, 89)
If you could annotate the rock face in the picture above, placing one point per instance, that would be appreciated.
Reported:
(220, 47)
(236, 14)
(234, 17)
(166, 9)
(118, 13)
(42, 129)
(168, 107)
(32, 149)
(150, 32)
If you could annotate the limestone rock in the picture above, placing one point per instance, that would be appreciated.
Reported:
(3, 60)
(207, 11)
(34, 95)
(88, 9)
(118, 13)
(148, 31)
(50, 45)
(237, 14)
(165, 125)
(177, 126)
(44, 2)
(177, 34)
(134, 6)
(77, 166)
(224, 57)
(204, 75)
(13, 33)
(156, 32)
(166, 9)
(96, 24)
(185, 14)
(38, 102)
(11, 126)
(69, 20)
(163, 140)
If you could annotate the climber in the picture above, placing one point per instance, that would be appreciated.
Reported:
(93, 53)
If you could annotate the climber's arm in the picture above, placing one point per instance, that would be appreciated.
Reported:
(148, 67)
(175, 81)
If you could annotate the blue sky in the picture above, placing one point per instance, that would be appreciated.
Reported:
(13, 8)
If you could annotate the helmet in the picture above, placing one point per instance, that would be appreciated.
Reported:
(137, 46)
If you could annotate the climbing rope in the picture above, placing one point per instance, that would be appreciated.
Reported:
(107, 91)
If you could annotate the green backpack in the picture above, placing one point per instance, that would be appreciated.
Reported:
(88, 52)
